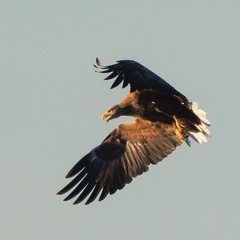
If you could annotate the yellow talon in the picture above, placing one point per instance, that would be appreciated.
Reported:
(179, 128)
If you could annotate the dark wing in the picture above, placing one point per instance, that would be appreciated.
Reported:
(139, 78)
(123, 155)
(168, 105)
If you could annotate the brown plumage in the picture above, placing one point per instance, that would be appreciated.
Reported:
(163, 121)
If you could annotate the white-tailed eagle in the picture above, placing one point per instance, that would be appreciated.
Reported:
(164, 119)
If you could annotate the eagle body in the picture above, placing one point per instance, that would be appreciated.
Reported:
(164, 119)
(155, 106)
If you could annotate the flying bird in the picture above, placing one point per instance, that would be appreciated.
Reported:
(164, 119)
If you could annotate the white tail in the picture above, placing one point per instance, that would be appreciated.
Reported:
(199, 137)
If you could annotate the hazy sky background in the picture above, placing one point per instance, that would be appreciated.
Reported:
(52, 102)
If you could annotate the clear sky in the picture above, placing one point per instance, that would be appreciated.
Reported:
(52, 102)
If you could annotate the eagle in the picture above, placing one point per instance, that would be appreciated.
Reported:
(163, 119)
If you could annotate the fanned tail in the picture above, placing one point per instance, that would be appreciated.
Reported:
(200, 136)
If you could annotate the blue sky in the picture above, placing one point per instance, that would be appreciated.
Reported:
(51, 106)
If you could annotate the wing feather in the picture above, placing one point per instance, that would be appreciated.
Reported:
(123, 155)
(138, 77)
(74, 182)
(104, 193)
(140, 157)
(117, 81)
(111, 76)
(85, 192)
(94, 193)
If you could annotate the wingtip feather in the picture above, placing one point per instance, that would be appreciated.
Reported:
(98, 62)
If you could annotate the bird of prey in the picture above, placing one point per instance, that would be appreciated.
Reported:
(164, 119)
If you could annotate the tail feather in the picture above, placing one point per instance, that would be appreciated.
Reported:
(200, 136)
(200, 113)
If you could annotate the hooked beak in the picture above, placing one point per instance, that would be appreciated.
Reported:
(107, 114)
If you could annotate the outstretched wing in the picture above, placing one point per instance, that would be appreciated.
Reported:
(123, 155)
(138, 76)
